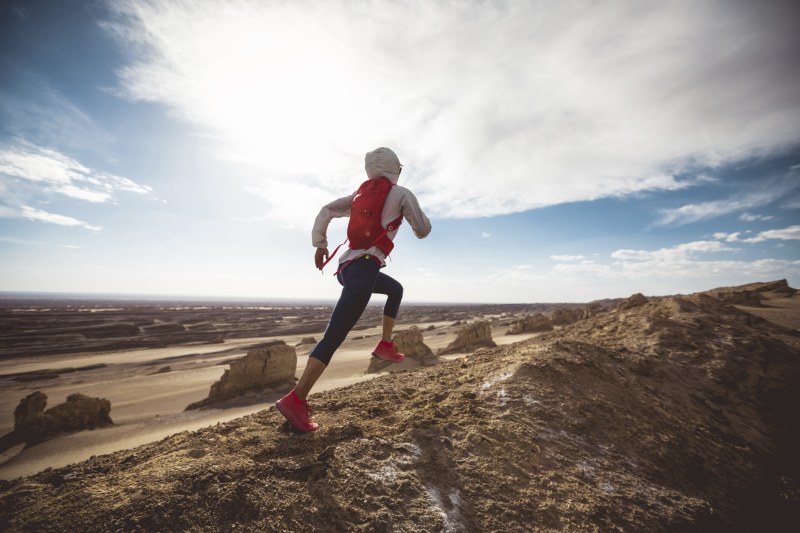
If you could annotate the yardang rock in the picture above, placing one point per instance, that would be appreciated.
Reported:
(271, 366)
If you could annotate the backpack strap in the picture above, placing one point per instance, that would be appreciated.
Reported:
(393, 225)
(328, 260)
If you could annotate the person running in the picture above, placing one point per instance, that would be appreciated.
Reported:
(360, 277)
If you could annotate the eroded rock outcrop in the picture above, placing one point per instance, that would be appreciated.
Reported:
(411, 344)
(471, 337)
(592, 310)
(268, 367)
(33, 425)
(306, 341)
(636, 300)
(565, 316)
(531, 324)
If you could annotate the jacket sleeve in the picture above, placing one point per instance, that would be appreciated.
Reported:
(336, 209)
(412, 212)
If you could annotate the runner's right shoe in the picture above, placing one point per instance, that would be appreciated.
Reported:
(388, 352)
(296, 411)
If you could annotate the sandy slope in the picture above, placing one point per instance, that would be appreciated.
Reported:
(676, 415)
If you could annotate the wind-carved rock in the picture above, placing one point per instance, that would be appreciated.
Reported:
(531, 324)
(268, 367)
(565, 317)
(635, 300)
(410, 343)
(471, 337)
(592, 310)
(33, 425)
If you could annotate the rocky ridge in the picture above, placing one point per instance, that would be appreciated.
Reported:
(677, 414)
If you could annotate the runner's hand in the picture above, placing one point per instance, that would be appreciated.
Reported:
(320, 257)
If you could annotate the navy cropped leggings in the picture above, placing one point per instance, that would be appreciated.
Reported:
(359, 280)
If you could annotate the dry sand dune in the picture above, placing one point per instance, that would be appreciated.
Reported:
(679, 414)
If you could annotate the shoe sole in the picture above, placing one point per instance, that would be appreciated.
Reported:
(287, 415)
(389, 360)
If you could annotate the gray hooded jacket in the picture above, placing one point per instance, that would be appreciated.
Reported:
(381, 162)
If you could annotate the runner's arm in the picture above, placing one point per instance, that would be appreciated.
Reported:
(336, 209)
(413, 213)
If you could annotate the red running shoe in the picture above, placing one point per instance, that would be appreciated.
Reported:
(296, 411)
(388, 352)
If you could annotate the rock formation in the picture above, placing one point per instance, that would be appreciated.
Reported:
(33, 425)
(531, 324)
(471, 337)
(565, 316)
(635, 300)
(411, 344)
(268, 367)
(307, 340)
(592, 310)
(752, 295)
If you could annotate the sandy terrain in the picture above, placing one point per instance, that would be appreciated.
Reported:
(148, 406)
(674, 414)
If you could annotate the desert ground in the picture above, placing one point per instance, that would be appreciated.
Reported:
(647, 414)
(147, 405)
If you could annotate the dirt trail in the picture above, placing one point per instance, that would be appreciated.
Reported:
(675, 415)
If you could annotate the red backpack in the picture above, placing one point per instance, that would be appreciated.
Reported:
(364, 229)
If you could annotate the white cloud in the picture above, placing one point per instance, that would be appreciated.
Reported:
(32, 172)
(485, 235)
(792, 233)
(750, 217)
(55, 172)
(582, 268)
(31, 213)
(687, 261)
(680, 253)
(695, 212)
(514, 105)
(567, 258)
(786, 234)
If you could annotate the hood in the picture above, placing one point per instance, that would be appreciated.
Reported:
(382, 162)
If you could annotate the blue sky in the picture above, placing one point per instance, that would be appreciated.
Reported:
(565, 151)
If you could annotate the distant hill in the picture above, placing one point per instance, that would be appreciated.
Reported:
(678, 414)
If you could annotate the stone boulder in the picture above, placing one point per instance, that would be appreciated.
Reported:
(745, 298)
(411, 344)
(471, 337)
(30, 408)
(269, 367)
(531, 324)
(592, 310)
(34, 425)
(565, 316)
(306, 341)
(636, 300)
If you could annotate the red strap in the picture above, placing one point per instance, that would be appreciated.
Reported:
(328, 260)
